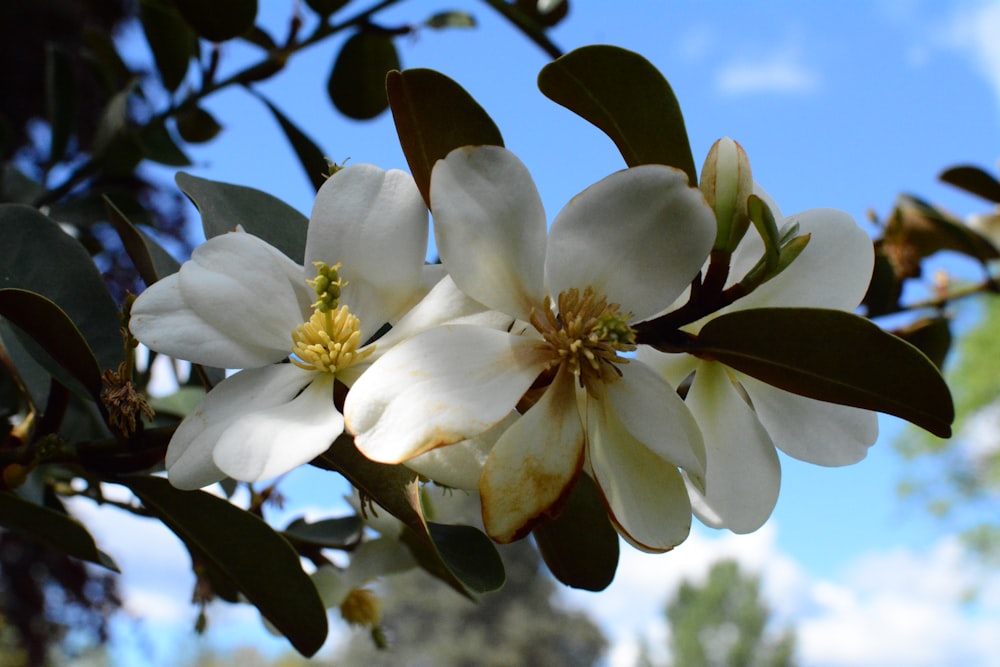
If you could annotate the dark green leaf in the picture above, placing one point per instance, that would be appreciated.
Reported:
(157, 145)
(930, 335)
(580, 547)
(885, 288)
(451, 20)
(310, 156)
(99, 50)
(60, 100)
(113, 123)
(259, 561)
(357, 82)
(624, 95)
(38, 255)
(338, 533)
(917, 230)
(56, 334)
(832, 356)
(396, 488)
(974, 180)
(553, 14)
(150, 260)
(31, 375)
(259, 37)
(325, 7)
(433, 116)
(52, 528)
(223, 206)
(196, 126)
(219, 20)
(171, 40)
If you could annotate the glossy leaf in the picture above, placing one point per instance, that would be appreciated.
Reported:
(580, 547)
(157, 145)
(38, 255)
(974, 180)
(357, 82)
(624, 95)
(48, 326)
(325, 7)
(60, 100)
(150, 260)
(171, 40)
(30, 375)
(451, 19)
(310, 156)
(832, 356)
(930, 335)
(338, 533)
(223, 206)
(257, 560)
(433, 116)
(917, 230)
(465, 559)
(219, 20)
(50, 527)
(197, 126)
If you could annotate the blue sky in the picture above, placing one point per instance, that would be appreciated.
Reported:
(838, 105)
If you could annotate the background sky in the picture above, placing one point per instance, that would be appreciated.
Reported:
(840, 105)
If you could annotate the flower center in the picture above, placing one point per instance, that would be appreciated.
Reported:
(329, 341)
(588, 334)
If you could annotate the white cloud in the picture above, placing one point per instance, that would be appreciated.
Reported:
(886, 608)
(780, 72)
(974, 30)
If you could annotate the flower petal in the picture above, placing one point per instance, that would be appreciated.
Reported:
(439, 387)
(744, 474)
(638, 236)
(814, 431)
(268, 442)
(652, 412)
(645, 493)
(832, 272)
(375, 223)
(489, 226)
(675, 368)
(189, 456)
(534, 464)
(461, 464)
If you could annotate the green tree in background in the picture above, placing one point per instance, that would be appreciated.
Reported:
(723, 622)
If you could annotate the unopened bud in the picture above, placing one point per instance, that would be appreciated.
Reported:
(727, 182)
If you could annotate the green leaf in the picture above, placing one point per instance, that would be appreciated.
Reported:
(357, 81)
(930, 335)
(310, 156)
(433, 116)
(465, 558)
(171, 40)
(580, 547)
(624, 95)
(58, 337)
(325, 7)
(917, 230)
(197, 126)
(338, 533)
(833, 356)
(223, 206)
(150, 260)
(219, 20)
(53, 528)
(157, 145)
(974, 180)
(37, 255)
(30, 375)
(60, 100)
(451, 19)
(257, 560)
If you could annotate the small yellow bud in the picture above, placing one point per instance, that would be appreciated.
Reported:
(361, 607)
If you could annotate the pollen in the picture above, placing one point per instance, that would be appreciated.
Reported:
(587, 334)
(329, 341)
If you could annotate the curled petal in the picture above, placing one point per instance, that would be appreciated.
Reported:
(190, 463)
(744, 474)
(489, 226)
(439, 387)
(375, 223)
(460, 465)
(645, 493)
(814, 431)
(268, 442)
(638, 236)
(534, 464)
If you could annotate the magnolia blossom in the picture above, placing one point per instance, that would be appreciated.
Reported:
(240, 303)
(619, 252)
(742, 419)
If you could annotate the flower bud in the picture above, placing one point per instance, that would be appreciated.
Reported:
(727, 182)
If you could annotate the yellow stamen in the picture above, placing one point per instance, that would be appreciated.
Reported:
(329, 341)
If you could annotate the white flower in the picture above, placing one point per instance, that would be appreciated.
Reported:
(619, 252)
(240, 303)
(742, 419)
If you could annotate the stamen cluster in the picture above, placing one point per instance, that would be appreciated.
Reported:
(587, 333)
(329, 341)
